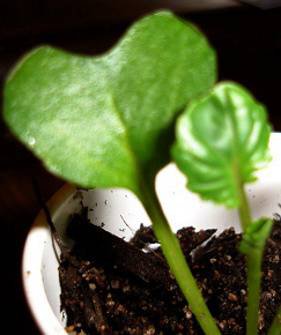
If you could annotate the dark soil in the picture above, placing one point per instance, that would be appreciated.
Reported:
(113, 287)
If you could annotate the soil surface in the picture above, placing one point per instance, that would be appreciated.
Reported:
(110, 286)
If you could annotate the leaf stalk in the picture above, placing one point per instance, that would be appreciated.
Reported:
(275, 328)
(253, 260)
(252, 245)
(254, 263)
(177, 262)
(244, 209)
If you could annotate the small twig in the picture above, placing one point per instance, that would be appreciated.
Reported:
(126, 224)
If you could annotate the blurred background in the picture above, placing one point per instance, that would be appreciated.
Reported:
(246, 35)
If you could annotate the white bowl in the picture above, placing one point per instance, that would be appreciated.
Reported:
(113, 207)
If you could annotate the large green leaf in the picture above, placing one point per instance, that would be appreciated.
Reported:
(222, 139)
(97, 121)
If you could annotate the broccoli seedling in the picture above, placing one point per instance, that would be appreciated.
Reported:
(221, 141)
(105, 121)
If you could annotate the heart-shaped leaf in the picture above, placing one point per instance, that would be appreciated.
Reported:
(97, 121)
(222, 140)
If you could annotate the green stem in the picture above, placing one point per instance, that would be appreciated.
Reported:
(275, 328)
(244, 209)
(254, 263)
(177, 262)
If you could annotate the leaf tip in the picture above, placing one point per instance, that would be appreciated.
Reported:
(12, 73)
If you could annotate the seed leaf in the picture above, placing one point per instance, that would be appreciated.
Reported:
(98, 121)
(221, 141)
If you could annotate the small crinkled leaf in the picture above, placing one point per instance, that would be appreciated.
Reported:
(97, 121)
(221, 141)
(256, 235)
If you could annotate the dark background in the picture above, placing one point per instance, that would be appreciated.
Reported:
(248, 43)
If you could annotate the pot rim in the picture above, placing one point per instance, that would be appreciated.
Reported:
(33, 285)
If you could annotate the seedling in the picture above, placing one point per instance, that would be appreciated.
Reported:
(222, 140)
(107, 122)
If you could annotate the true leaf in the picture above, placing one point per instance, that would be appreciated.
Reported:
(256, 235)
(221, 141)
(97, 121)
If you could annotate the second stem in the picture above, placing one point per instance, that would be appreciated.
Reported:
(254, 263)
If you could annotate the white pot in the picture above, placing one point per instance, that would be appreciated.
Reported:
(112, 207)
